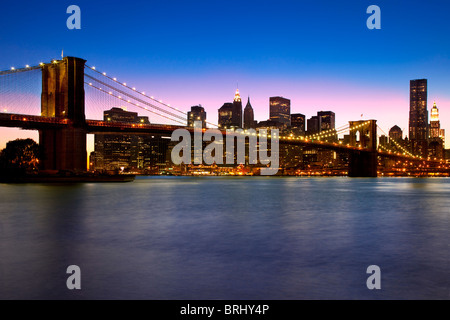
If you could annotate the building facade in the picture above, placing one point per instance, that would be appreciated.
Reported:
(197, 113)
(298, 123)
(114, 152)
(395, 133)
(226, 116)
(280, 110)
(435, 125)
(418, 116)
(249, 117)
(230, 114)
(237, 110)
(327, 120)
(313, 125)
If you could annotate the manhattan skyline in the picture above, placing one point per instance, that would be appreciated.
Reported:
(320, 56)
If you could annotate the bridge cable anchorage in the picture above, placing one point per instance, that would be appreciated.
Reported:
(135, 91)
(134, 104)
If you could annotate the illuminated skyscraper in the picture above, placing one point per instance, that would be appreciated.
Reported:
(197, 113)
(434, 122)
(436, 141)
(280, 110)
(298, 123)
(418, 117)
(226, 116)
(128, 151)
(327, 120)
(313, 125)
(230, 114)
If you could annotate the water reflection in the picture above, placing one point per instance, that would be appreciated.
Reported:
(227, 238)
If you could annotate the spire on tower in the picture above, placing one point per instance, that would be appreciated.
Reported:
(237, 96)
(248, 103)
(434, 113)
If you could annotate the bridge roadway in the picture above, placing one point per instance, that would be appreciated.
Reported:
(33, 122)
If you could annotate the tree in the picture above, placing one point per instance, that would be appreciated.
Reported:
(19, 157)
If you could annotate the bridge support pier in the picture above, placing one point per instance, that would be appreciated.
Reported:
(63, 149)
(63, 98)
(363, 164)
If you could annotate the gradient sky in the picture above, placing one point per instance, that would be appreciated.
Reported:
(319, 54)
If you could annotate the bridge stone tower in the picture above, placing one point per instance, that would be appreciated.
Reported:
(363, 163)
(63, 97)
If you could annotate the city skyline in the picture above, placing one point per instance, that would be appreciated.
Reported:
(225, 151)
(322, 58)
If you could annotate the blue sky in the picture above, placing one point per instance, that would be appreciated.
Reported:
(319, 54)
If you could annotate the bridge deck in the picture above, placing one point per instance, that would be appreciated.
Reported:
(33, 122)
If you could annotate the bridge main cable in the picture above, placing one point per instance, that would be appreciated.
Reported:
(134, 98)
(142, 94)
(14, 70)
(134, 104)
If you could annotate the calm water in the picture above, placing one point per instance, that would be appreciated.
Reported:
(227, 238)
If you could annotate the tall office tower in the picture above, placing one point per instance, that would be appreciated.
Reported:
(298, 123)
(249, 117)
(418, 117)
(434, 122)
(225, 116)
(436, 143)
(114, 151)
(395, 133)
(280, 110)
(327, 120)
(237, 110)
(197, 113)
(313, 125)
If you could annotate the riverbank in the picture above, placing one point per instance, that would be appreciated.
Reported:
(58, 178)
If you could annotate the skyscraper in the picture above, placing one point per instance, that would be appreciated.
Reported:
(280, 110)
(435, 141)
(230, 114)
(434, 122)
(225, 116)
(237, 110)
(418, 117)
(314, 125)
(249, 117)
(128, 151)
(197, 113)
(327, 120)
(298, 123)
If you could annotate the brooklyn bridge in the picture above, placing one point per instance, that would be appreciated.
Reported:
(65, 110)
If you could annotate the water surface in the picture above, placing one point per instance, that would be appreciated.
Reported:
(227, 238)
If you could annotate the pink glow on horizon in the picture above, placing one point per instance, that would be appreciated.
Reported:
(389, 106)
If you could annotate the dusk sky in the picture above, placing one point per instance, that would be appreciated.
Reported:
(319, 54)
